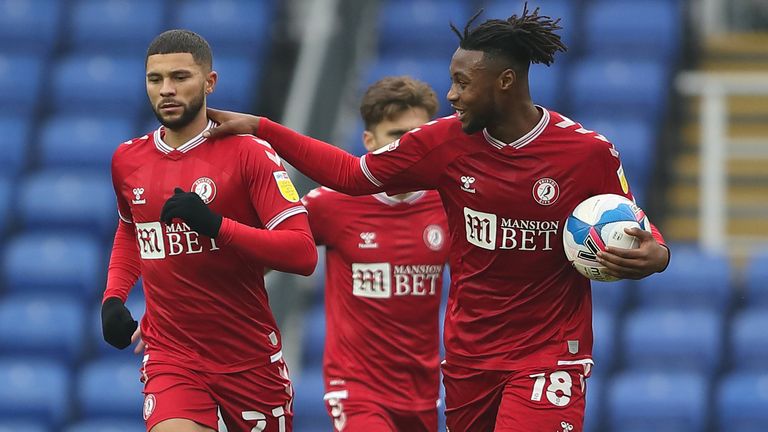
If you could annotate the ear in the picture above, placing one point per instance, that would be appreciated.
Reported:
(507, 79)
(369, 141)
(210, 82)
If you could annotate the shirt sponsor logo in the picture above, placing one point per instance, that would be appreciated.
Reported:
(176, 239)
(546, 191)
(137, 193)
(284, 184)
(484, 229)
(481, 228)
(434, 237)
(205, 188)
(371, 280)
(384, 280)
(369, 240)
(466, 184)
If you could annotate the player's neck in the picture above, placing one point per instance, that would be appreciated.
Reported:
(176, 137)
(517, 121)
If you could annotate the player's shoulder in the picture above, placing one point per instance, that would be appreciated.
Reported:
(433, 133)
(577, 134)
(324, 196)
(249, 145)
(126, 150)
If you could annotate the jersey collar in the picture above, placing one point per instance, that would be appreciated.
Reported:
(525, 139)
(187, 146)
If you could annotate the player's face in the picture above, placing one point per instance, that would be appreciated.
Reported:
(389, 130)
(471, 93)
(176, 86)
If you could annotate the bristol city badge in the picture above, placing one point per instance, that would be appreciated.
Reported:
(205, 188)
(434, 237)
(546, 191)
(149, 405)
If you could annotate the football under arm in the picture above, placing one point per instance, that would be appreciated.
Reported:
(288, 247)
(322, 162)
(124, 264)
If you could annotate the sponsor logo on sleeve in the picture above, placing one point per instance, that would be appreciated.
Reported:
(284, 184)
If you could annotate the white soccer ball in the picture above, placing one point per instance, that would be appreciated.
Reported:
(598, 222)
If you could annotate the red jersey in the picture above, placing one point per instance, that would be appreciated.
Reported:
(384, 266)
(206, 306)
(515, 301)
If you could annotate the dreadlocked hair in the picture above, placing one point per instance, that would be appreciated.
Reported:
(528, 38)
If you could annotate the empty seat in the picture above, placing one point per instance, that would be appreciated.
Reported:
(756, 279)
(68, 199)
(29, 26)
(611, 296)
(110, 387)
(15, 144)
(421, 28)
(749, 339)
(433, 71)
(673, 339)
(668, 402)
(308, 404)
(604, 350)
(544, 84)
(20, 96)
(87, 83)
(236, 87)
(694, 278)
(22, 426)
(63, 262)
(741, 401)
(314, 336)
(50, 326)
(126, 26)
(593, 416)
(6, 204)
(111, 425)
(83, 141)
(34, 388)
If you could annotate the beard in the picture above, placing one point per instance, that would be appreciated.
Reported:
(473, 126)
(189, 112)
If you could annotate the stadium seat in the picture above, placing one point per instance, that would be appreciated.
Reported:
(694, 278)
(308, 405)
(34, 388)
(115, 26)
(631, 87)
(87, 83)
(236, 88)
(562, 9)
(659, 402)
(421, 28)
(15, 144)
(68, 199)
(604, 350)
(22, 426)
(236, 27)
(83, 141)
(29, 26)
(433, 71)
(673, 339)
(111, 425)
(49, 326)
(611, 296)
(110, 388)
(741, 401)
(64, 262)
(749, 339)
(593, 417)
(20, 96)
(544, 84)
(314, 336)
(756, 279)
(6, 204)
(653, 32)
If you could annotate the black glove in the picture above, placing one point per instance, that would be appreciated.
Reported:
(117, 324)
(189, 207)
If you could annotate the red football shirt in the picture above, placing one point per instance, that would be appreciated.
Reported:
(384, 265)
(206, 305)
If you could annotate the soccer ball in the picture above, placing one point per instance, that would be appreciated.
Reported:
(598, 222)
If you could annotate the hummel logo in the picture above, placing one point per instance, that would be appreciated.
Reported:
(467, 181)
(138, 192)
(567, 427)
(369, 240)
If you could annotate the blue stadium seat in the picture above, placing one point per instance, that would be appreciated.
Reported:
(68, 199)
(741, 401)
(648, 29)
(110, 388)
(236, 87)
(749, 339)
(237, 27)
(126, 26)
(6, 204)
(22, 426)
(756, 279)
(314, 336)
(15, 144)
(659, 402)
(593, 417)
(433, 71)
(604, 350)
(308, 405)
(544, 83)
(110, 425)
(87, 83)
(29, 26)
(421, 28)
(83, 141)
(603, 87)
(20, 96)
(563, 9)
(50, 326)
(611, 296)
(694, 278)
(34, 388)
(673, 339)
(64, 262)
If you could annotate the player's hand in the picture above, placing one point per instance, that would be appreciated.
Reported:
(650, 257)
(117, 324)
(189, 207)
(140, 344)
(231, 123)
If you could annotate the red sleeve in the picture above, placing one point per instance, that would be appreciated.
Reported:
(289, 248)
(124, 264)
(318, 210)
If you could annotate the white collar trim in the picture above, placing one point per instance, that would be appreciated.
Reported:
(525, 139)
(187, 146)
(390, 200)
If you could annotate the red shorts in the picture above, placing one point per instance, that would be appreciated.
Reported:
(255, 399)
(366, 415)
(501, 401)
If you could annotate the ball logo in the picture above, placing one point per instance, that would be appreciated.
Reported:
(205, 188)
(149, 405)
(434, 237)
(546, 191)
